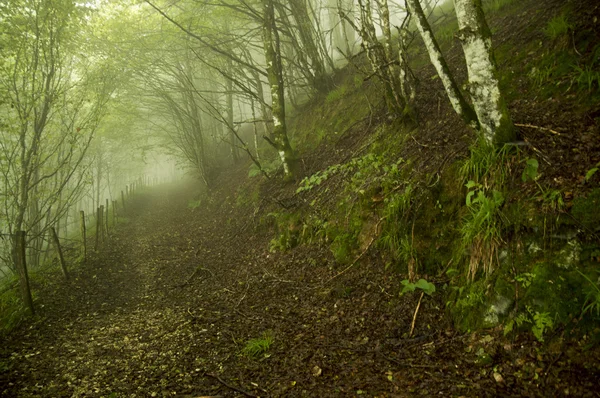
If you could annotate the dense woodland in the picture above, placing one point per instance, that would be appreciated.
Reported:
(299, 198)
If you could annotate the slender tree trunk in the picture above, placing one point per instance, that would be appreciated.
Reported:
(235, 155)
(457, 100)
(489, 104)
(398, 102)
(274, 68)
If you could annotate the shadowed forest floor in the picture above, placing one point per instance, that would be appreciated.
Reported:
(168, 304)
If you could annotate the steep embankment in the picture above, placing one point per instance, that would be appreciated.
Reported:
(169, 304)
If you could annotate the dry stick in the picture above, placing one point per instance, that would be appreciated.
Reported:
(22, 270)
(234, 388)
(61, 258)
(537, 128)
(83, 240)
(412, 326)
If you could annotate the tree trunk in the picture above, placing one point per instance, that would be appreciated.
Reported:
(457, 100)
(21, 265)
(489, 104)
(274, 68)
(235, 155)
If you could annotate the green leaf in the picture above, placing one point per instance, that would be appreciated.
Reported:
(469, 196)
(427, 287)
(471, 184)
(531, 170)
(590, 173)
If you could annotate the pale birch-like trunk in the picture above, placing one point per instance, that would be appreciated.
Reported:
(397, 102)
(456, 98)
(489, 104)
(279, 139)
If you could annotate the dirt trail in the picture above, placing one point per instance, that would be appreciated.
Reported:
(168, 304)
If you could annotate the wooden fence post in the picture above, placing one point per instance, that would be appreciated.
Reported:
(83, 239)
(123, 200)
(106, 220)
(61, 258)
(98, 227)
(21, 265)
(127, 190)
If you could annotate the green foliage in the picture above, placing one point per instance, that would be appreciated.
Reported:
(592, 299)
(531, 170)
(12, 310)
(342, 247)
(259, 347)
(486, 165)
(557, 27)
(427, 287)
(336, 95)
(585, 209)
(540, 323)
(395, 238)
(247, 196)
(287, 226)
(587, 77)
(481, 229)
(194, 204)
(496, 5)
(269, 166)
(590, 173)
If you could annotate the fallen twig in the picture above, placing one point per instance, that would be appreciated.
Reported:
(412, 326)
(234, 388)
(538, 128)
(411, 365)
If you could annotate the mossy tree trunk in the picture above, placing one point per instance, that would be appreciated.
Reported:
(489, 104)
(279, 139)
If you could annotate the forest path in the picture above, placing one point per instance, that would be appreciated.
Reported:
(111, 329)
(170, 301)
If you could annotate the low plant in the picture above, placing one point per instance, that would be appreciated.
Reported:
(336, 95)
(587, 77)
(592, 300)
(487, 165)
(427, 287)
(255, 348)
(194, 204)
(540, 322)
(482, 227)
(590, 173)
(557, 27)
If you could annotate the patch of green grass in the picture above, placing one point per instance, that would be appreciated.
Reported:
(486, 165)
(336, 95)
(194, 204)
(12, 310)
(256, 348)
(587, 77)
(491, 6)
(557, 27)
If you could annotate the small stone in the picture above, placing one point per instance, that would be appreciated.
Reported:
(316, 371)
(498, 377)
